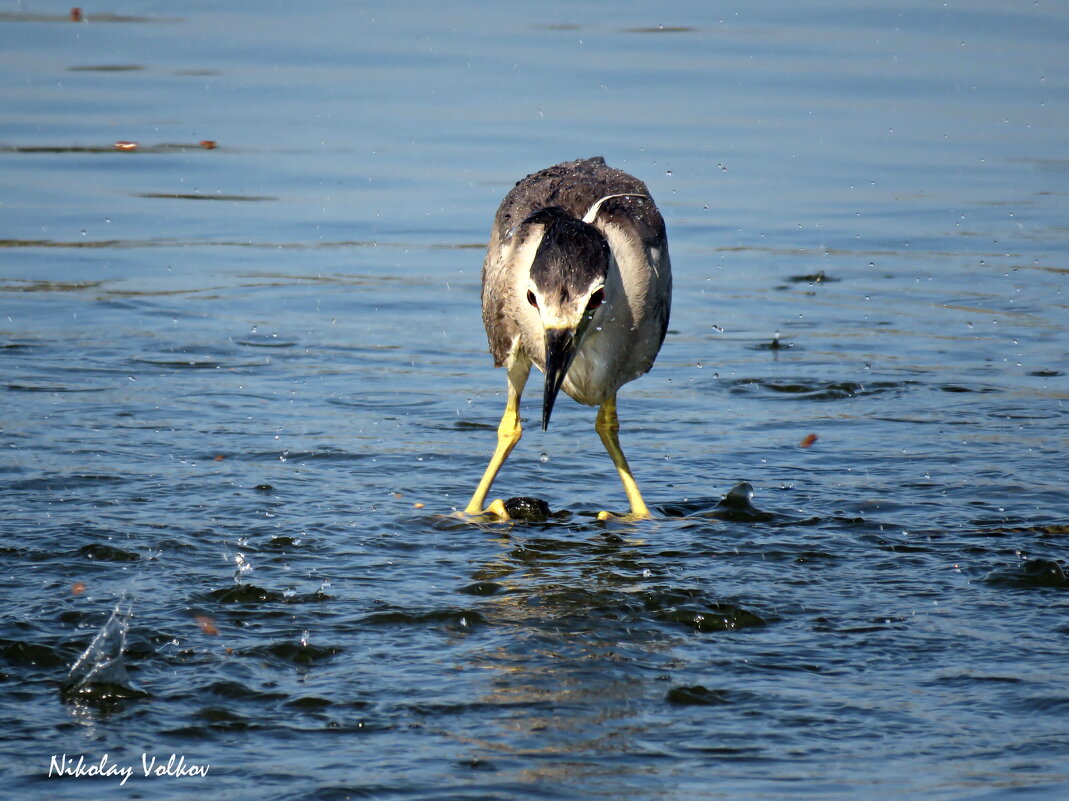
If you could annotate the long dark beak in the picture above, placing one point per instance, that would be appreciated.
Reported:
(560, 350)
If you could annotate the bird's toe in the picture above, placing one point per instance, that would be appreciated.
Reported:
(630, 517)
(497, 509)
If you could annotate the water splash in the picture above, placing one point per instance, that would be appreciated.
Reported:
(98, 677)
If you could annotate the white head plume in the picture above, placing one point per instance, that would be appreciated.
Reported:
(593, 212)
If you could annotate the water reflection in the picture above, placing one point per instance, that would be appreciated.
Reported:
(568, 663)
(584, 635)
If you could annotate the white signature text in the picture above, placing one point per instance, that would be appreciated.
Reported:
(151, 766)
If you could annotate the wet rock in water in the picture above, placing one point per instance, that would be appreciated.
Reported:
(1043, 573)
(244, 594)
(101, 695)
(740, 496)
(483, 588)
(107, 553)
(529, 510)
(452, 618)
(737, 506)
(300, 652)
(1032, 573)
(717, 617)
(18, 652)
(696, 695)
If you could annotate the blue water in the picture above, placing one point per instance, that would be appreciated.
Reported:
(244, 388)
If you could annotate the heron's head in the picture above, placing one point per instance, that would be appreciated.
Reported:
(566, 287)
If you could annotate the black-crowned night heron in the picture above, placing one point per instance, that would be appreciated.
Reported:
(576, 281)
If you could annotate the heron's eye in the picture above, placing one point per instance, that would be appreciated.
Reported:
(595, 300)
(532, 299)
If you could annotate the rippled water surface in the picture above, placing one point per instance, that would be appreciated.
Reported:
(245, 387)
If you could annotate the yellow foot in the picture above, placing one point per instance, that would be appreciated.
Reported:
(495, 510)
(498, 510)
(630, 517)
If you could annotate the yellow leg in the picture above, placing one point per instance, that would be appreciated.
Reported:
(508, 434)
(608, 426)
